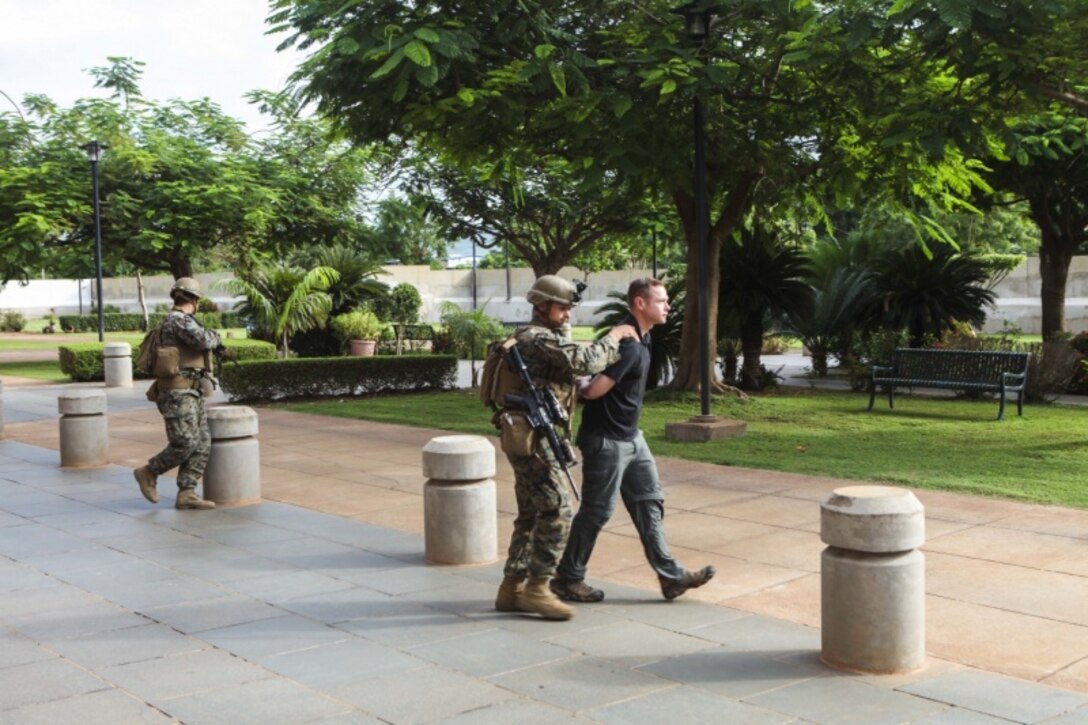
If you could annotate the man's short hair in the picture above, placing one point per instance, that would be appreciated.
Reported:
(641, 288)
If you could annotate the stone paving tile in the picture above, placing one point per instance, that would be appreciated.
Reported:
(268, 702)
(733, 675)
(267, 637)
(845, 702)
(1010, 546)
(632, 644)
(183, 674)
(685, 705)
(411, 624)
(1073, 677)
(408, 579)
(91, 557)
(196, 616)
(764, 635)
(123, 646)
(491, 652)
(332, 665)
(396, 697)
(105, 707)
(99, 616)
(587, 618)
(16, 649)
(113, 573)
(15, 576)
(343, 605)
(581, 683)
(999, 696)
(251, 536)
(522, 712)
(677, 615)
(37, 540)
(43, 599)
(289, 584)
(141, 595)
(1077, 717)
(37, 682)
(355, 717)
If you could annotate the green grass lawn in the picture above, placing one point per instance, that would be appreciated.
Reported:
(945, 444)
(48, 371)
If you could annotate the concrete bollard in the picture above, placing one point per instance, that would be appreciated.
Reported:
(233, 475)
(117, 360)
(460, 521)
(873, 580)
(84, 433)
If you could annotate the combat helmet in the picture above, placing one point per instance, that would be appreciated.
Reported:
(551, 288)
(188, 285)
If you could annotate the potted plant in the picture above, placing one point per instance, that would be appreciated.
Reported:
(360, 328)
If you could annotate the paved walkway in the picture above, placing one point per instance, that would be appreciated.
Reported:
(112, 610)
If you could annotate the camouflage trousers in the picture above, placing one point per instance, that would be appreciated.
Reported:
(190, 442)
(544, 514)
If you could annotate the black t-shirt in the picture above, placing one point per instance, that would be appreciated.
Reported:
(615, 414)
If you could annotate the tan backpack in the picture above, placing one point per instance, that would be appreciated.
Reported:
(497, 379)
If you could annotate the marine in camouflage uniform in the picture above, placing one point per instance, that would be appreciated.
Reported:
(543, 496)
(180, 400)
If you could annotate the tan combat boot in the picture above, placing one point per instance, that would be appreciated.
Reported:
(187, 499)
(507, 599)
(146, 479)
(537, 598)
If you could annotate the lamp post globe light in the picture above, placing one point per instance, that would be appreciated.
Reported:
(94, 151)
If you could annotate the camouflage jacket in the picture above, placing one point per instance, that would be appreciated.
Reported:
(182, 330)
(552, 357)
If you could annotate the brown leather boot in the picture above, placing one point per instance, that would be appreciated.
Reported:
(537, 598)
(507, 599)
(147, 481)
(187, 499)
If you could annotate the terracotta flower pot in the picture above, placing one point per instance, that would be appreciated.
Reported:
(363, 348)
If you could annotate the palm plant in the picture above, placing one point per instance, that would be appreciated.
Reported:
(664, 338)
(358, 284)
(471, 330)
(924, 294)
(761, 279)
(281, 299)
(837, 303)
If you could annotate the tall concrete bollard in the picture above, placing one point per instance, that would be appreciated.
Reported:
(233, 475)
(873, 580)
(84, 433)
(117, 360)
(460, 521)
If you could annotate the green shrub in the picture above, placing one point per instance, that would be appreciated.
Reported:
(82, 361)
(337, 376)
(356, 325)
(13, 322)
(134, 321)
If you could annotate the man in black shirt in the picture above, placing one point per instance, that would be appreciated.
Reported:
(617, 461)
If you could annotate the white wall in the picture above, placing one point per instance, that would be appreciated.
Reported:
(1018, 293)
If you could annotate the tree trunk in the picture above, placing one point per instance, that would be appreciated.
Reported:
(751, 346)
(142, 299)
(687, 369)
(181, 267)
(1055, 256)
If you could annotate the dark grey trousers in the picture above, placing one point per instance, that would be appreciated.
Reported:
(614, 469)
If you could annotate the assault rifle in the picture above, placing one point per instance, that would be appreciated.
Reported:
(543, 412)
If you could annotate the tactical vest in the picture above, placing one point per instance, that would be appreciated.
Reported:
(499, 378)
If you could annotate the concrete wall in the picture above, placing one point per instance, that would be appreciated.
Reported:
(1018, 293)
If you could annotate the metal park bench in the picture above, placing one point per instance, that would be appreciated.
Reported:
(968, 370)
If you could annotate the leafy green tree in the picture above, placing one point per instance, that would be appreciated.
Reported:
(282, 300)
(471, 331)
(401, 307)
(408, 231)
(664, 339)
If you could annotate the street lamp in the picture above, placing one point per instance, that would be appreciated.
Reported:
(94, 151)
(697, 18)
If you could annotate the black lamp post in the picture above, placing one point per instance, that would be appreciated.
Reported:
(697, 18)
(94, 151)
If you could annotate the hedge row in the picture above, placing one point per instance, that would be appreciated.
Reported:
(134, 321)
(82, 361)
(337, 376)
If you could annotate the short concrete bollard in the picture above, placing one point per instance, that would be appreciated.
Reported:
(460, 521)
(84, 433)
(233, 475)
(117, 360)
(873, 580)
